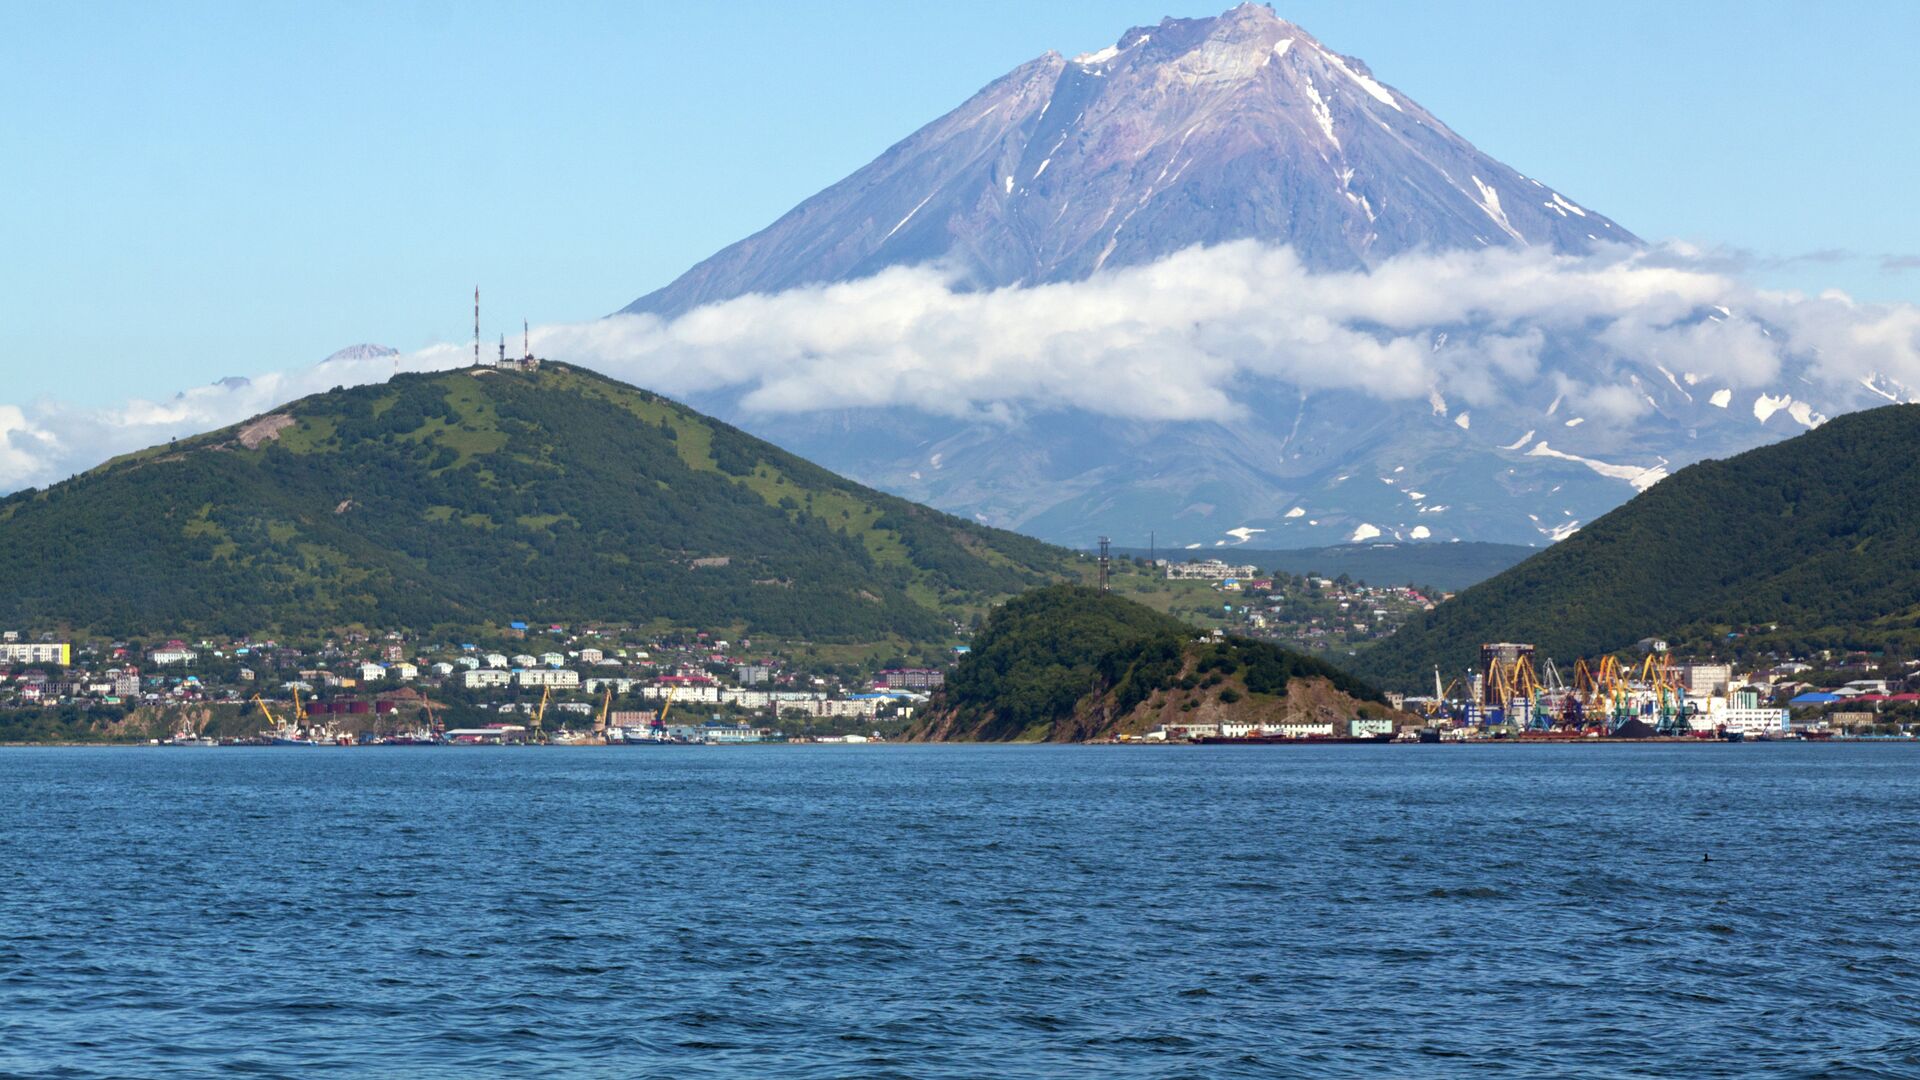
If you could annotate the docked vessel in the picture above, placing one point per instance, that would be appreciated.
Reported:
(639, 736)
(1304, 740)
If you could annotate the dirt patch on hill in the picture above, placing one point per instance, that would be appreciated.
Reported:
(264, 430)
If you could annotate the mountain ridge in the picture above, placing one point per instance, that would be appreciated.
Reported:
(1798, 546)
(472, 497)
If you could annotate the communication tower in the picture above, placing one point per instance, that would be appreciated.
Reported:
(1106, 562)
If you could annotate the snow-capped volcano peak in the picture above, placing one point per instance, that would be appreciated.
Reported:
(1239, 126)
(1185, 133)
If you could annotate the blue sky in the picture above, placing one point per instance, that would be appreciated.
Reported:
(195, 190)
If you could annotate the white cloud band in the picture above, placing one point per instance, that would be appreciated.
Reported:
(1179, 339)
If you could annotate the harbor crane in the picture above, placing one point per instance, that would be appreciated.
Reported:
(606, 710)
(539, 732)
(660, 722)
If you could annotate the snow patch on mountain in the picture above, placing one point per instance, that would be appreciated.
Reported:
(916, 209)
(1641, 477)
(1558, 533)
(1566, 206)
(1801, 412)
(1322, 114)
(1490, 202)
(1373, 88)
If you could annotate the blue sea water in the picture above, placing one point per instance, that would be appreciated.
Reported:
(962, 911)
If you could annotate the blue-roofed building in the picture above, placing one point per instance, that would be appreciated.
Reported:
(1815, 697)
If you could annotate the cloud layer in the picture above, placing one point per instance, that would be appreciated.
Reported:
(1181, 339)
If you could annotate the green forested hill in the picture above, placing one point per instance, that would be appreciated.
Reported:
(475, 497)
(1806, 544)
(1069, 662)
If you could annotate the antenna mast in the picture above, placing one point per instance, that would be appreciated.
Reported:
(476, 326)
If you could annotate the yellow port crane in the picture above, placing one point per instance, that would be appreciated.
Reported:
(1508, 681)
(280, 728)
(539, 733)
(606, 710)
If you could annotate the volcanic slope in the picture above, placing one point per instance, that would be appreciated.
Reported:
(1243, 132)
(475, 497)
(1241, 126)
(1806, 544)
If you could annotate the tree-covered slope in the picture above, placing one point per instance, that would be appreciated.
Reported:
(1809, 543)
(475, 497)
(1068, 662)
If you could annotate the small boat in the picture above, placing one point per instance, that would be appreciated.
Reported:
(412, 738)
(1733, 736)
(635, 736)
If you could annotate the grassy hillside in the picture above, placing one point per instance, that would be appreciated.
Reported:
(476, 497)
(1068, 663)
(1810, 543)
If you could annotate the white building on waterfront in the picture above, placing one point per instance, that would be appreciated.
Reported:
(1739, 712)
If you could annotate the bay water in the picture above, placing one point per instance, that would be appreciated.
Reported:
(961, 911)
